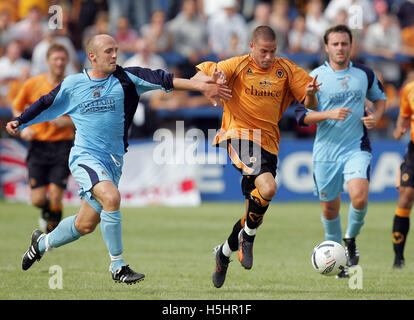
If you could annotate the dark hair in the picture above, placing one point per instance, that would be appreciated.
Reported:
(264, 33)
(338, 28)
(54, 47)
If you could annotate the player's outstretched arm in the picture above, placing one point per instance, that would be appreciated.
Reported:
(334, 114)
(217, 76)
(212, 91)
(402, 126)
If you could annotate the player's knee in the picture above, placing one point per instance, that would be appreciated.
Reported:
(38, 202)
(85, 227)
(111, 200)
(268, 190)
(360, 202)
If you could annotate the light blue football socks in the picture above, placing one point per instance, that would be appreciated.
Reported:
(355, 221)
(112, 233)
(333, 229)
(64, 233)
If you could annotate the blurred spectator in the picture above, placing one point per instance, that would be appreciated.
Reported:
(144, 58)
(125, 35)
(83, 14)
(39, 62)
(368, 12)
(383, 38)
(211, 8)
(30, 30)
(279, 19)
(12, 67)
(137, 11)
(11, 7)
(340, 18)
(262, 18)
(405, 13)
(316, 22)
(301, 40)
(25, 6)
(177, 99)
(407, 40)
(70, 29)
(101, 25)
(223, 25)
(189, 33)
(391, 91)
(159, 38)
(6, 22)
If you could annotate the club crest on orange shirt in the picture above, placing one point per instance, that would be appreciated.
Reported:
(265, 83)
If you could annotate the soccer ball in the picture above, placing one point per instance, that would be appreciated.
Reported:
(329, 258)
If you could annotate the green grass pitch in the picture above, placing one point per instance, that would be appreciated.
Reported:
(173, 248)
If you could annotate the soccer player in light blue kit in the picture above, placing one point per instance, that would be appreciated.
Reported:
(342, 150)
(101, 102)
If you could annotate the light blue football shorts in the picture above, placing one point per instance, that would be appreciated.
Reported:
(329, 176)
(89, 168)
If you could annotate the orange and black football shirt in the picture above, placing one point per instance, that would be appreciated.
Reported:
(407, 104)
(31, 91)
(259, 98)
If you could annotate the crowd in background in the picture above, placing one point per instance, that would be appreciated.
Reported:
(175, 35)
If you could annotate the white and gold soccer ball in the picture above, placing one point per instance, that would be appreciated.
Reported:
(329, 258)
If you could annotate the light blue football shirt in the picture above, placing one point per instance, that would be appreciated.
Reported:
(343, 88)
(101, 109)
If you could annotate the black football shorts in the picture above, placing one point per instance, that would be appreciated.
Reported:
(47, 162)
(250, 160)
(407, 167)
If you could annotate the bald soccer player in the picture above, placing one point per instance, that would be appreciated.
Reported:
(101, 102)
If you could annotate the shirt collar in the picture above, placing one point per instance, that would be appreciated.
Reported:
(330, 68)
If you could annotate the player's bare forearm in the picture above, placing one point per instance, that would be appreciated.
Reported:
(213, 92)
(379, 107)
(188, 84)
(333, 114)
(402, 126)
(201, 76)
(311, 102)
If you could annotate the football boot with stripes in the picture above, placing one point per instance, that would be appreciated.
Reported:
(351, 251)
(33, 253)
(222, 263)
(126, 275)
(343, 274)
(245, 249)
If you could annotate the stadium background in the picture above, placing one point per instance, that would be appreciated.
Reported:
(176, 35)
(164, 239)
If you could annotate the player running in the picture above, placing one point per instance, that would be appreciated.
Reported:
(342, 150)
(49, 142)
(263, 86)
(401, 223)
(101, 101)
